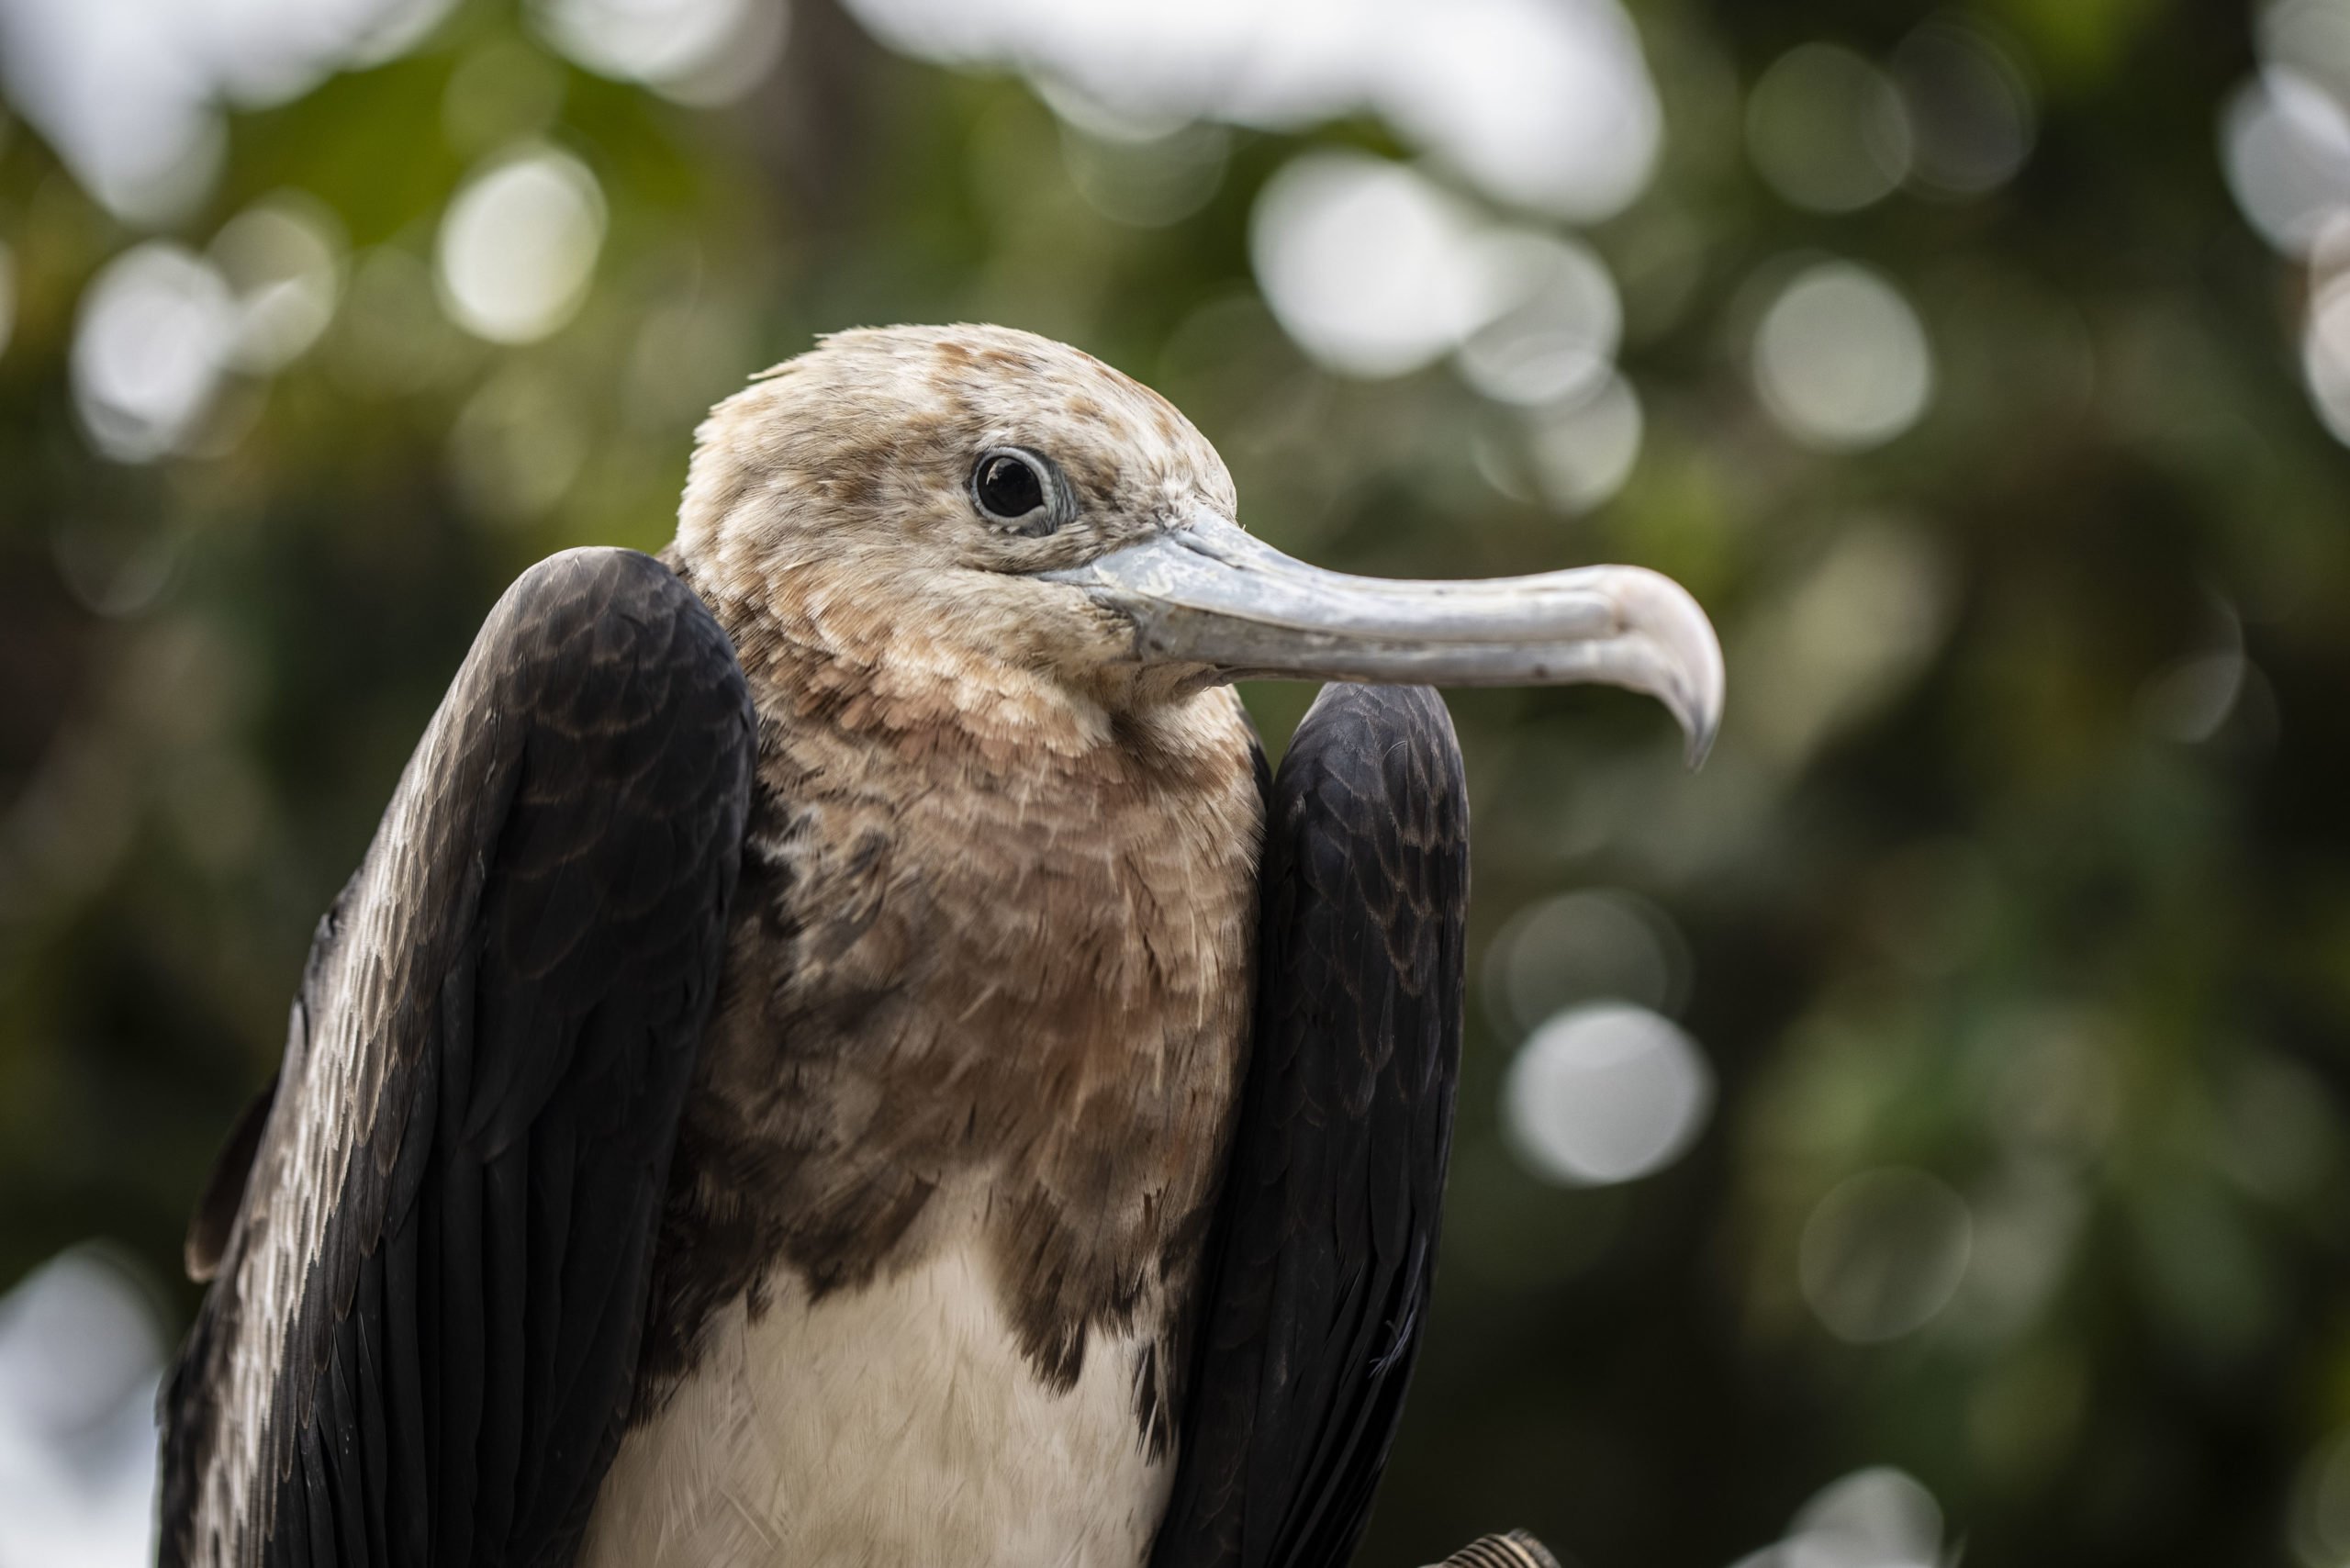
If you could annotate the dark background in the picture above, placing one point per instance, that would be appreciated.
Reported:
(2011, 913)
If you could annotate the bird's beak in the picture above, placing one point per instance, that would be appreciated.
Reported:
(1206, 593)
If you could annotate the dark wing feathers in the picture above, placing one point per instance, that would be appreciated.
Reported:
(421, 1341)
(1325, 1240)
(216, 1210)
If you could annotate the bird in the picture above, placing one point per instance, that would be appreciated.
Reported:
(841, 1051)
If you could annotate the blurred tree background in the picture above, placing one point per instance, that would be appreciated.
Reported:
(1921, 1131)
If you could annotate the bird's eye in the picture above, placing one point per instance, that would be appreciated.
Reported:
(1015, 487)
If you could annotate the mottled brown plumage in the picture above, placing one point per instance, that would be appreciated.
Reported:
(918, 911)
(923, 906)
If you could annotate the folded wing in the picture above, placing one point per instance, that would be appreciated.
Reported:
(1324, 1243)
(429, 1285)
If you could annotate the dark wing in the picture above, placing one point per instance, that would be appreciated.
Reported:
(420, 1342)
(1325, 1240)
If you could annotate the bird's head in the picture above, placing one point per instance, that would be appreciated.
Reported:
(995, 511)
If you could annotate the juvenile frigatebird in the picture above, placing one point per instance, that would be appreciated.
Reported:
(840, 1054)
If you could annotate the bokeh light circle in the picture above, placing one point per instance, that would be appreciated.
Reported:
(154, 332)
(1605, 1093)
(2319, 1528)
(1828, 129)
(2325, 356)
(1841, 360)
(1883, 1254)
(1366, 263)
(1591, 944)
(282, 257)
(1543, 104)
(518, 247)
(81, 1356)
(1878, 1518)
(1583, 450)
(1971, 118)
(2285, 145)
(1554, 340)
(702, 51)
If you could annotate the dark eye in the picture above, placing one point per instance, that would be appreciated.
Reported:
(1015, 487)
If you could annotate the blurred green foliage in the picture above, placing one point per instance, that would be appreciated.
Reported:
(1965, 893)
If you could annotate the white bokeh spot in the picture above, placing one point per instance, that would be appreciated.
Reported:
(1367, 263)
(1878, 1518)
(131, 92)
(81, 1355)
(1841, 360)
(2285, 144)
(156, 328)
(2325, 355)
(1607, 1092)
(1546, 103)
(518, 247)
(700, 52)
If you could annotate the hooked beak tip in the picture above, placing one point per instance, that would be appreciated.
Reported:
(1700, 744)
(1692, 681)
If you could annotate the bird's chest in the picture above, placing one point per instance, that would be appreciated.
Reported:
(941, 1192)
(896, 1426)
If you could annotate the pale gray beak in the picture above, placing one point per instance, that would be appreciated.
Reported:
(1207, 593)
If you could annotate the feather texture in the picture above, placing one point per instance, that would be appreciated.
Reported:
(1323, 1249)
(422, 1338)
